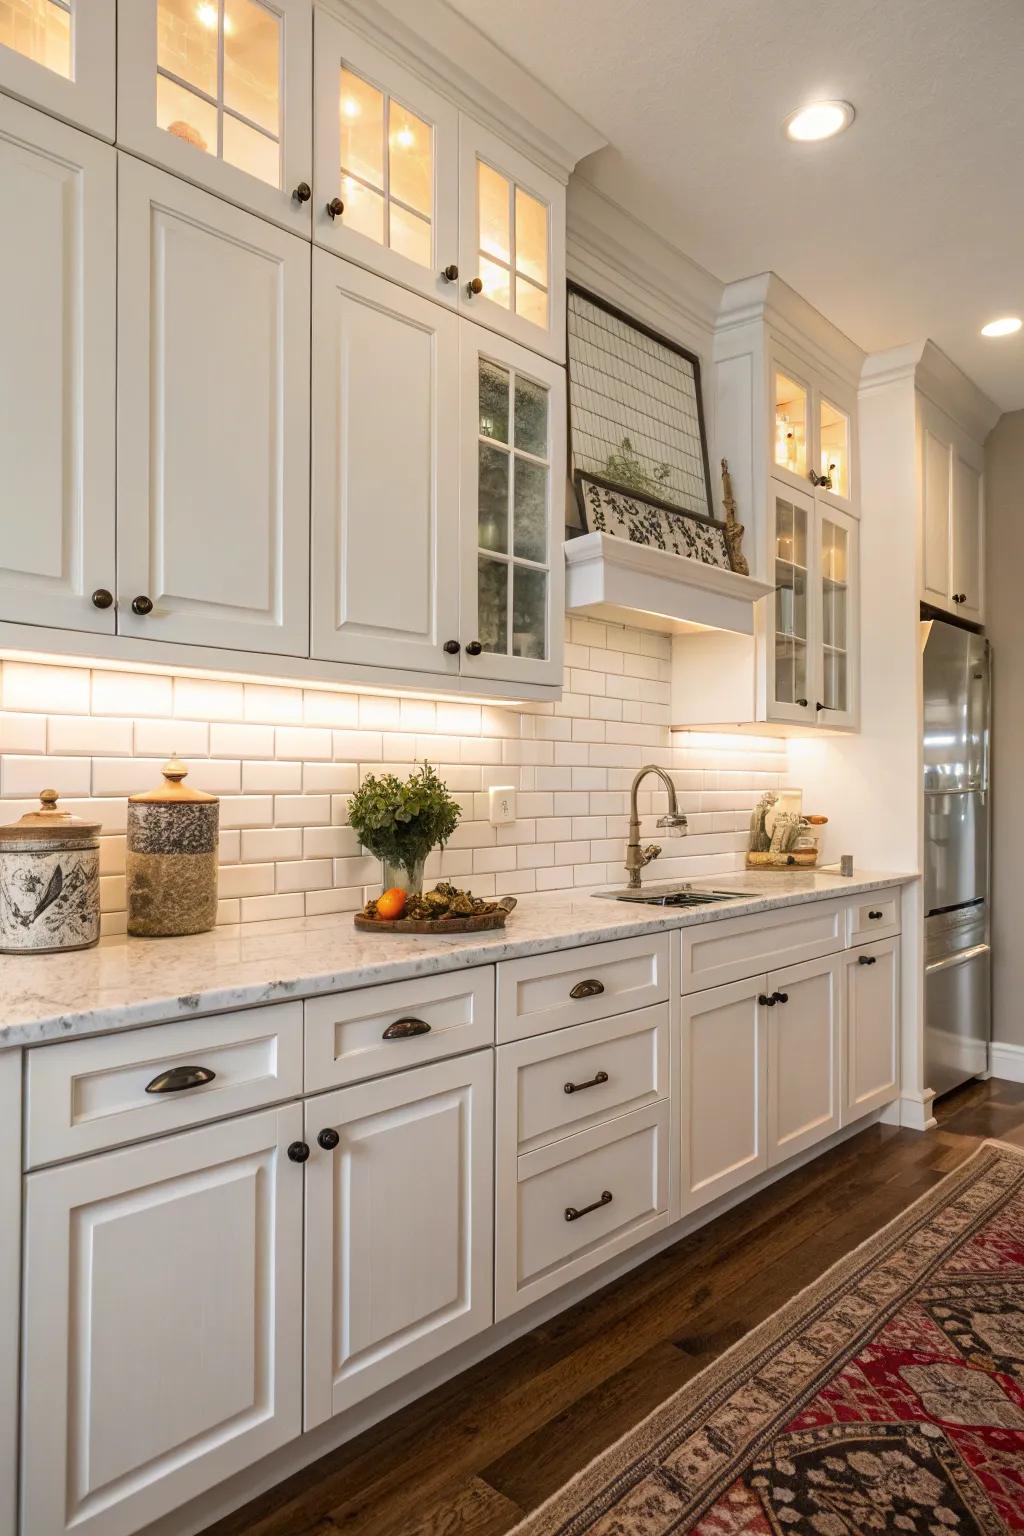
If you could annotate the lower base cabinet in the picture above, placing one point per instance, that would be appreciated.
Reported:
(804, 1040)
(722, 1090)
(872, 979)
(399, 1234)
(162, 1322)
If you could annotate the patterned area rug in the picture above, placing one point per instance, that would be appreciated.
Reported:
(887, 1397)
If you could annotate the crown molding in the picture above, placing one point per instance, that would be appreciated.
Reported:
(764, 297)
(938, 378)
(452, 55)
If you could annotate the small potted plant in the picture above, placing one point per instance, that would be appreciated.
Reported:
(400, 821)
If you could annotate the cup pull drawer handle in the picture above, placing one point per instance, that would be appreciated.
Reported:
(866, 959)
(404, 1029)
(874, 916)
(572, 1214)
(175, 1079)
(588, 988)
(599, 1077)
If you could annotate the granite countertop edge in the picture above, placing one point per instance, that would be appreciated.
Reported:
(125, 982)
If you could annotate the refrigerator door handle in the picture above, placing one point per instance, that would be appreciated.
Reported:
(960, 958)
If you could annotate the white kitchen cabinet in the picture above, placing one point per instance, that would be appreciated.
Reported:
(385, 178)
(805, 1028)
(952, 515)
(213, 420)
(219, 93)
(57, 344)
(512, 489)
(162, 1322)
(385, 577)
(59, 55)
(399, 1227)
(511, 242)
(722, 1086)
(872, 983)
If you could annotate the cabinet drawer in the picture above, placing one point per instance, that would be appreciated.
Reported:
(579, 1202)
(346, 1033)
(733, 948)
(591, 981)
(84, 1095)
(553, 1085)
(874, 916)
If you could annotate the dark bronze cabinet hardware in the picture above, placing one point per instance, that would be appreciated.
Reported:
(823, 482)
(475, 285)
(866, 959)
(303, 192)
(598, 1077)
(959, 597)
(474, 648)
(451, 647)
(780, 997)
(335, 207)
(451, 273)
(588, 988)
(405, 1029)
(298, 1152)
(802, 703)
(572, 1214)
(101, 598)
(328, 1139)
(766, 1001)
(176, 1079)
(819, 706)
(142, 605)
(874, 916)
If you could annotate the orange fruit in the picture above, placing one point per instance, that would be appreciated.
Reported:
(391, 904)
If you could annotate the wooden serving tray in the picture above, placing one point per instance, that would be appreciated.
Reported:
(482, 924)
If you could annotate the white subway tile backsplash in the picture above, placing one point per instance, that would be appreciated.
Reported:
(286, 760)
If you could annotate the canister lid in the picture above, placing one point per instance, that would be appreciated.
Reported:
(173, 791)
(49, 821)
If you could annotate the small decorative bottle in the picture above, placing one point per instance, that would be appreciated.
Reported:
(172, 858)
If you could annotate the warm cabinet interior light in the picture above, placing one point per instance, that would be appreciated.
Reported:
(207, 15)
(1008, 325)
(821, 120)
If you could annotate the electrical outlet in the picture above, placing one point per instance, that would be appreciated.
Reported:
(502, 804)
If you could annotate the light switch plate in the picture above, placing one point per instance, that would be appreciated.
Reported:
(502, 804)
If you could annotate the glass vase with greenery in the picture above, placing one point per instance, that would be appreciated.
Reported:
(401, 820)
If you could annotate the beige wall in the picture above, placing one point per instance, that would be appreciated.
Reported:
(1005, 626)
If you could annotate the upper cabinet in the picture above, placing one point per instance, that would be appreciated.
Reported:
(512, 243)
(385, 179)
(219, 92)
(59, 55)
(952, 515)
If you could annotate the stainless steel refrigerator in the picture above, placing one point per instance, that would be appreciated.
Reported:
(957, 729)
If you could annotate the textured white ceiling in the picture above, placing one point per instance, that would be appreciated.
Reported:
(909, 225)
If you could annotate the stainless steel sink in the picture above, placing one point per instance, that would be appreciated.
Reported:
(669, 896)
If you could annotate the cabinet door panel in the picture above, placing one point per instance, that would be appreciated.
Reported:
(213, 420)
(838, 623)
(385, 472)
(789, 620)
(804, 1063)
(220, 94)
(57, 345)
(512, 510)
(59, 55)
(399, 1225)
(387, 150)
(968, 549)
(936, 470)
(161, 1329)
(872, 1033)
(722, 1084)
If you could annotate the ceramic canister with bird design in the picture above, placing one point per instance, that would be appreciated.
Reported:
(171, 863)
(49, 881)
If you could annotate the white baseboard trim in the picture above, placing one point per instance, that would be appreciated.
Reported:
(1006, 1061)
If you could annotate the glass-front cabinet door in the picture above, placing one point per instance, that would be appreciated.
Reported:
(793, 421)
(385, 181)
(790, 622)
(834, 452)
(59, 55)
(512, 243)
(218, 92)
(511, 511)
(838, 609)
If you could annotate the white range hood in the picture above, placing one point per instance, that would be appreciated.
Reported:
(639, 584)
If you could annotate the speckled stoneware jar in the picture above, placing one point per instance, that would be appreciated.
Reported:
(172, 858)
(49, 881)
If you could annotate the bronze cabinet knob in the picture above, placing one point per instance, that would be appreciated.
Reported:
(450, 273)
(142, 605)
(328, 1139)
(474, 648)
(335, 207)
(802, 703)
(451, 647)
(298, 1151)
(303, 192)
(475, 285)
(101, 598)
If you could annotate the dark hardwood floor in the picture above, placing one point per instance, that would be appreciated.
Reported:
(475, 1455)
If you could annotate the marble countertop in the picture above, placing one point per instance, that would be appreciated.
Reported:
(124, 982)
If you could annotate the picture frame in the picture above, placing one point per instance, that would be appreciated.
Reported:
(604, 508)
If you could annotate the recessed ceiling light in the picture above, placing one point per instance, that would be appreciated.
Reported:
(820, 120)
(1006, 326)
